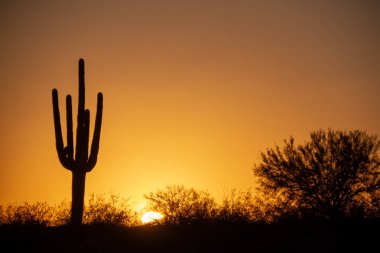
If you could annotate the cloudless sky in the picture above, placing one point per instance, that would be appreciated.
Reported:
(193, 90)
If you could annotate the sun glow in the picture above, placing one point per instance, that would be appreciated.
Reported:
(151, 216)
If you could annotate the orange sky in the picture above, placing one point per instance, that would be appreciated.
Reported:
(193, 90)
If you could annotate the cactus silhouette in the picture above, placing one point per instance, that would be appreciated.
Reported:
(81, 163)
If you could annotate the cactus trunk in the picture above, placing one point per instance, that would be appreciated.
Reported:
(83, 162)
(77, 204)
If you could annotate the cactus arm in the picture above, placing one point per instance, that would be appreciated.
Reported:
(58, 133)
(57, 123)
(86, 134)
(69, 121)
(79, 154)
(96, 137)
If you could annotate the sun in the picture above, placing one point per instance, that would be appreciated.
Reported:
(151, 216)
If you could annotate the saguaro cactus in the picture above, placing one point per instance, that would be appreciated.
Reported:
(81, 163)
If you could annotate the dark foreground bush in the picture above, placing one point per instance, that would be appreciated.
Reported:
(27, 214)
(111, 210)
(181, 205)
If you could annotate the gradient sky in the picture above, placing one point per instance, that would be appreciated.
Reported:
(193, 90)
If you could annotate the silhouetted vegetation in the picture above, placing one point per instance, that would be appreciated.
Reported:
(26, 232)
(238, 206)
(181, 205)
(111, 226)
(82, 163)
(322, 196)
(111, 210)
(27, 214)
(334, 175)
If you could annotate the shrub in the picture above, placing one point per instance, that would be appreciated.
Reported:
(180, 205)
(112, 210)
(239, 206)
(27, 214)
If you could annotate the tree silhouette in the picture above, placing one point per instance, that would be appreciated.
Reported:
(180, 205)
(330, 175)
(82, 162)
